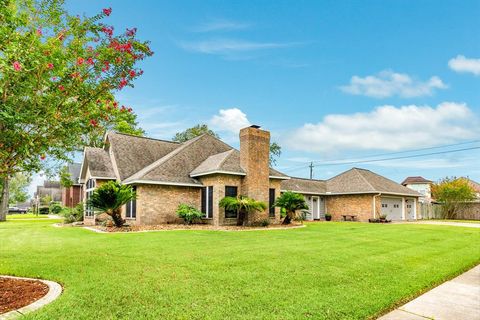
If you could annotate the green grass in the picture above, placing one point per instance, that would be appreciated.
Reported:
(323, 271)
(25, 216)
(454, 220)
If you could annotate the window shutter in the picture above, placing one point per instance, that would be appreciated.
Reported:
(210, 202)
(271, 202)
(204, 200)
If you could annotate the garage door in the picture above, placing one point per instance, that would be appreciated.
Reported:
(392, 207)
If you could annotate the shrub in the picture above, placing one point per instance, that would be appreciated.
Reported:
(188, 213)
(55, 208)
(43, 210)
(73, 215)
(265, 222)
(291, 202)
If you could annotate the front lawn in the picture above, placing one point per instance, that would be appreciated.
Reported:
(324, 271)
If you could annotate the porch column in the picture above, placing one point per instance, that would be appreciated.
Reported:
(415, 208)
(403, 208)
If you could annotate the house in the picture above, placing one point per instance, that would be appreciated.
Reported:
(72, 195)
(357, 192)
(49, 188)
(476, 188)
(203, 170)
(421, 185)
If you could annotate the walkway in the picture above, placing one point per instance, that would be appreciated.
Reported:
(457, 299)
(444, 223)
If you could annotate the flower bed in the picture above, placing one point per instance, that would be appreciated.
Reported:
(17, 293)
(165, 227)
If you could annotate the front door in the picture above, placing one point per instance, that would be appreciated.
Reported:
(409, 209)
(315, 208)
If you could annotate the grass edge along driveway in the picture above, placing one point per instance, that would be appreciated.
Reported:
(324, 271)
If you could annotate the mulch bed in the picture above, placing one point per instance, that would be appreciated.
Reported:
(18, 293)
(190, 227)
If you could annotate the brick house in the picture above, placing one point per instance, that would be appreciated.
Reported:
(72, 195)
(203, 170)
(421, 185)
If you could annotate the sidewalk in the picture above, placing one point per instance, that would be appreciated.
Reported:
(457, 299)
(444, 223)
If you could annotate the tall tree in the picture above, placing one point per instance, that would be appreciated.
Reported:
(18, 188)
(193, 132)
(453, 193)
(58, 74)
(199, 129)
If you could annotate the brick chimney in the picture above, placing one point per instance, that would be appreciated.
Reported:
(254, 159)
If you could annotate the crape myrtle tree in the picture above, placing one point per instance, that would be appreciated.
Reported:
(453, 193)
(58, 74)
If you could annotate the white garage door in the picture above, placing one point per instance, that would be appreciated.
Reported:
(392, 207)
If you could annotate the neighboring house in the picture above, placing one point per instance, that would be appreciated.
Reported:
(72, 195)
(203, 170)
(50, 188)
(421, 185)
(476, 187)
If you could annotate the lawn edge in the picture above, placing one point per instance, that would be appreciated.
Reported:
(54, 291)
(435, 284)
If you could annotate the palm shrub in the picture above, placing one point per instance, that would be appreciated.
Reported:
(291, 202)
(109, 198)
(243, 206)
(188, 213)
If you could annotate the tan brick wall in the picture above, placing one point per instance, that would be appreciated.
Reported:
(359, 205)
(254, 158)
(157, 204)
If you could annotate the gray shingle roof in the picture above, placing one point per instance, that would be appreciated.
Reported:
(74, 171)
(99, 163)
(306, 186)
(133, 153)
(414, 180)
(228, 161)
(358, 180)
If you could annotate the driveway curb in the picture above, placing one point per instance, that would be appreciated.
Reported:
(54, 291)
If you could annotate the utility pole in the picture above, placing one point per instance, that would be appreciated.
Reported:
(311, 170)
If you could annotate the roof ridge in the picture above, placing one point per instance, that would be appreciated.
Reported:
(364, 179)
(224, 159)
(168, 156)
(307, 179)
(142, 137)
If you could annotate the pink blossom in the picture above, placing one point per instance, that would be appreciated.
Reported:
(43, 157)
(123, 83)
(17, 66)
(132, 73)
(131, 32)
(107, 11)
(50, 66)
(90, 61)
(39, 31)
(61, 88)
(80, 60)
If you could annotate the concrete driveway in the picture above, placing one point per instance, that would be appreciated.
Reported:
(444, 223)
(457, 299)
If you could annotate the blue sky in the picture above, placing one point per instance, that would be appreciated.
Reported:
(329, 79)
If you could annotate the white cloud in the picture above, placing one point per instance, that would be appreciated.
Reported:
(222, 25)
(229, 120)
(462, 64)
(388, 83)
(388, 128)
(229, 46)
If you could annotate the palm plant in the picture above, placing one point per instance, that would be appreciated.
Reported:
(109, 198)
(291, 202)
(243, 206)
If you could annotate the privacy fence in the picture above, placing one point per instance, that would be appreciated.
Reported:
(468, 211)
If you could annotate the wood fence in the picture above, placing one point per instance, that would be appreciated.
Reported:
(469, 211)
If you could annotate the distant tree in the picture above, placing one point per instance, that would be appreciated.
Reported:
(65, 177)
(291, 202)
(109, 198)
(453, 193)
(18, 188)
(193, 132)
(46, 200)
(199, 129)
(243, 206)
(58, 76)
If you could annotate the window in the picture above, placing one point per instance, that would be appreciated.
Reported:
(384, 205)
(271, 202)
(207, 202)
(131, 212)
(89, 212)
(230, 192)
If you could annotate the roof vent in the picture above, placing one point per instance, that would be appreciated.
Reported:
(255, 126)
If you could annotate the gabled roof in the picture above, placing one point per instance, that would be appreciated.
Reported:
(305, 186)
(224, 162)
(474, 185)
(415, 180)
(358, 180)
(98, 162)
(176, 166)
(132, 153)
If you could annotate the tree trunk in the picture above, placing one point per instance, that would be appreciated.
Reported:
(288, 218)
(4, 184)
(117, 219)
(241, 218)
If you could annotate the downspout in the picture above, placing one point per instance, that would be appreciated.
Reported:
(375, 205)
